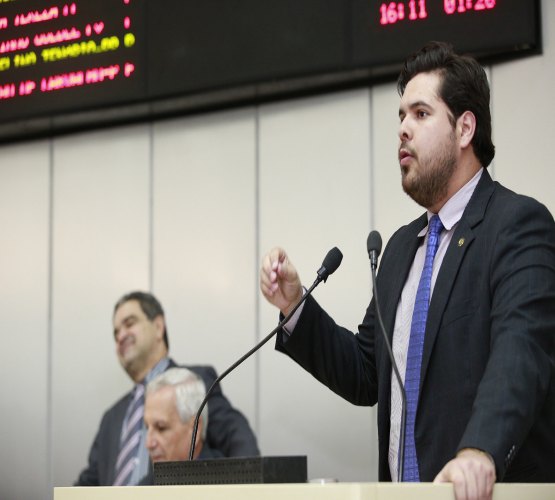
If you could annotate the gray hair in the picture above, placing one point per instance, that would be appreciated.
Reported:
(189, 393)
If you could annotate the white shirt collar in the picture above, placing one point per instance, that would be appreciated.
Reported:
(453, 209)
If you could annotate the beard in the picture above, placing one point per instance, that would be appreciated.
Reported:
(429, 185)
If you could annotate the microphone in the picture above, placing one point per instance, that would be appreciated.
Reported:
(374, 247)
(329, 266)
(331, 262)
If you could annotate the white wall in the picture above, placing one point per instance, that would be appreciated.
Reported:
(204, 242)
(25, 392)
(315, 194)
(185, 208)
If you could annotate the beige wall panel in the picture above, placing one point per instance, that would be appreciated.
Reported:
(523, 107)
(315, 194)
(101, 248)
(24, 211)
(204, 243)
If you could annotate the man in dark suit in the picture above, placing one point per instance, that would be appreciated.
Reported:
(485, 378)
(141, 338)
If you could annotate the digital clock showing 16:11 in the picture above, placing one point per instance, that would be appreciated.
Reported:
(415, 10)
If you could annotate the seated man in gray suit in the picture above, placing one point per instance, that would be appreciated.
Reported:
(171, 403)
(118, 455)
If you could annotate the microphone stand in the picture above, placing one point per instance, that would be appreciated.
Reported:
(401, 458)
(322, 276)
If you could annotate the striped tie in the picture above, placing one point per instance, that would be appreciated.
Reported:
(130, 438)
(416, 346)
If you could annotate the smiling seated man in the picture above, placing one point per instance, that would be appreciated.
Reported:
(172, 400)
(118, 455)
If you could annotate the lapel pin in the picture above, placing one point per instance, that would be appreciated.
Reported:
(461, 242)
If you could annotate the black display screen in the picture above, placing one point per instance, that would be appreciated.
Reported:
(67, 65)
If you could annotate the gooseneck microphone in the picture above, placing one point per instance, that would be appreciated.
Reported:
(374, 247)
(329, 266)
(332, 261)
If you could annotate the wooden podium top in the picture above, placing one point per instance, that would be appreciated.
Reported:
(309, 491)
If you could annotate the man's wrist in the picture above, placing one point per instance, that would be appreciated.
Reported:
(290, 325)
(294, 302)
(476, 450)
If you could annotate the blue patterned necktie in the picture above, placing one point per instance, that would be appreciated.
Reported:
(130, 438)
(416, 346)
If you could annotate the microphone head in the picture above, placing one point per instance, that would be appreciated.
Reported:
(374, 244)
(331, 263)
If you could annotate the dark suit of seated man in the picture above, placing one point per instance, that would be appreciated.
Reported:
(140, 333)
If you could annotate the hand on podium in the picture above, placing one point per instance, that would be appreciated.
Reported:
(472, 473)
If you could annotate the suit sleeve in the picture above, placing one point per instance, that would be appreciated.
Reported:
(228, 430)
(341, 360)
(105, 447)
(90, 475)
(513, 393)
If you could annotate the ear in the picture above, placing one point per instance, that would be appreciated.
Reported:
(466, 127)
(199, 431)
(160, 325)
(198, 440)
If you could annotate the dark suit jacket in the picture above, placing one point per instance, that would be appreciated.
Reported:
(228, 433)
(488, 368)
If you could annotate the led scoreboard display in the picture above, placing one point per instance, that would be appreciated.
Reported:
(71, 64)
(59, 57)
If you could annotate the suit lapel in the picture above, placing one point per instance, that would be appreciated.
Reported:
(461, 241)
(113, 438)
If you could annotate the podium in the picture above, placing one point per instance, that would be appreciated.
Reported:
(307, 491)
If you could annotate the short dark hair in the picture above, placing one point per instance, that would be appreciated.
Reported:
(464, 87)
(149, 305)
